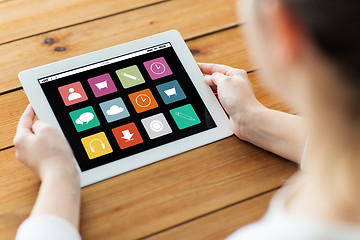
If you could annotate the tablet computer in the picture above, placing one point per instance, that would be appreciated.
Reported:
(127, 106)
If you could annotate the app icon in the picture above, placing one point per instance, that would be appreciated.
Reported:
(171, 92)
(130, 76)
(84, 118)
(185, 116)
(156, 126)
(114, 109)
(72, 93)
(96, 145)
(127, 135)
(102, 85)
(143, 100)
(157, 68)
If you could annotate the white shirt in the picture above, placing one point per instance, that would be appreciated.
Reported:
(46, 227)
(277, 224)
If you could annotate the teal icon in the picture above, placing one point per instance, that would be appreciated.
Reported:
(84, 118)
(185, 116)
(130, 76)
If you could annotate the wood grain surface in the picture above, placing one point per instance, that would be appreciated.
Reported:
(23, 18)
(182, 15)
(205, 193)
(221, 223)
(155, 197)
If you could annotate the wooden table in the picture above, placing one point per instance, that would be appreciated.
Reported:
(206, 193)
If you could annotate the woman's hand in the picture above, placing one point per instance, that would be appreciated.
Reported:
(43, 149)
(277, 132)
(235, 94)
(47, 153)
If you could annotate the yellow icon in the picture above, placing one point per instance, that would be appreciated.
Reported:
(96, 145)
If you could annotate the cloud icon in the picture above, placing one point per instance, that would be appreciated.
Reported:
(114, 110)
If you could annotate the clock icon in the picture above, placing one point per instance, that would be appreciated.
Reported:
(157, 68)
(143, 100)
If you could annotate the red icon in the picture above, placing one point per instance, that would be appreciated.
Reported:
(127, 135)
(72, 93)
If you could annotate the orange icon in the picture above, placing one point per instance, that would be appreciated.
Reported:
(143, 100)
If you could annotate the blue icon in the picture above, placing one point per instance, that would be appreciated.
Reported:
(114, 110)
(171, 92)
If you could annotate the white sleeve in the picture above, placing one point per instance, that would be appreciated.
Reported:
(47, 227)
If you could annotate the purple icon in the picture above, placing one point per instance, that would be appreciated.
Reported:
(157, 68)
(102, 85)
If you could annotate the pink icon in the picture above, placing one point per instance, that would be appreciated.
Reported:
(72, 93)
(158, 68)
(102, 85)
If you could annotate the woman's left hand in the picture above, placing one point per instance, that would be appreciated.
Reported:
(43, 148)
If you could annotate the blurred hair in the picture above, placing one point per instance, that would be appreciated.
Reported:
(334, 26)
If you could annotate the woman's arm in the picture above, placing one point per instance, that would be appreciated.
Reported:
(47, 153)
(278, 132)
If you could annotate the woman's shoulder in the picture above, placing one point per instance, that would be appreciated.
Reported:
(278, 224)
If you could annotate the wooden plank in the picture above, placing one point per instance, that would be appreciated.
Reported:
(226, 47)
(22, 18)
(220, 224)
(18, 189)
(156, 197)
(13, 104)
(184, 15)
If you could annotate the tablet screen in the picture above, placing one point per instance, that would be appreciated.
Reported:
(125, 105)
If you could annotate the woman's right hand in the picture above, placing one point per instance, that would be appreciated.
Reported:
(235, 94)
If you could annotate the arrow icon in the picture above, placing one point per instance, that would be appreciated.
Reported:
(127, 135)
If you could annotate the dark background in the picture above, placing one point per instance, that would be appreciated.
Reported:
(62, 112)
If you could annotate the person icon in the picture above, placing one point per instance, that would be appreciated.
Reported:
(73, 95)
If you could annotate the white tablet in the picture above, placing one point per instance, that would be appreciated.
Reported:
(127, 106)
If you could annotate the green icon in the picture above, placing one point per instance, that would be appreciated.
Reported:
(84, 118)
(185, 116)
(130, 76)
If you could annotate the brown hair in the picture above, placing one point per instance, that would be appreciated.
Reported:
(334, 26)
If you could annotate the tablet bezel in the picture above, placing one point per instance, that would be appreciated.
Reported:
(29, 80)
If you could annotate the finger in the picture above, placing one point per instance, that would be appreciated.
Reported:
(39, 126)
(209, 80)
(26, 120)
(211, 68)
(218, 78)
(24, 126)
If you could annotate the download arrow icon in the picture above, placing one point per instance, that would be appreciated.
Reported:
(127, 135)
